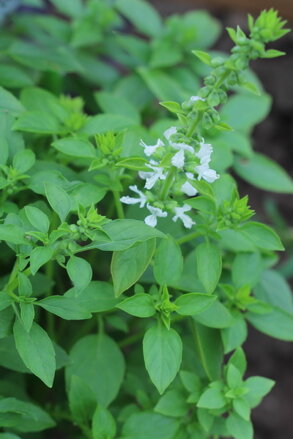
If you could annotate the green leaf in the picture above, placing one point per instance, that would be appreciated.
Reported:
(203, 56)
(82, 401)
(111, 103)
(134, 163)
(149, 425)
(103, 123)
(142, 15)
(234, 377)
(209, 265)
(27, 313)
(238, 360)
(37, 122)
(127, 266)
(58, 200)
(241, 407)
(23, 160)
(162, 85)
(103, 424)
(75, 147)
(264, 173)
(168, 263)
(79, 271)
(23, 416)
(273, 53)
(212, 398)
(194, 30)
(209, 350)
(14, 77)
(276, 323)
(162, 351)
(172, 403)
(139, 305)
(216, 316)
(96, 297)
(274, 290)
(193, 303)
(125, 233)
(91, 358)
(72, 8)
(258, 388)
(262, 236)
(246, 269)
(235, 335)
(40, 256)
(238, 427)
(36, 351)
(9, 103)
(12, 234)
(37, 218)
(244, 111)
(64, 307)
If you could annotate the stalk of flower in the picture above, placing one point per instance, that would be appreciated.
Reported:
(183, 155)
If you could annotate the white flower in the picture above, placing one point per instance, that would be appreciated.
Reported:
(178, 159)
(180, 145)
(150, 149)
(195, 99)
(206, 173)
(156, 212)
(180, 213)
(204, 153)
(188, 189)
(169, 132)
(152, 177)
(129, 200)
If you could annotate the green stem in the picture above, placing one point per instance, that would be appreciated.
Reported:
(168, 183)
(132, 339)
(200, 349)
(49, 271)
(118, 204)
(188, 237)
(194, 124)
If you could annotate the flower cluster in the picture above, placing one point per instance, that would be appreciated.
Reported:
(175, 164)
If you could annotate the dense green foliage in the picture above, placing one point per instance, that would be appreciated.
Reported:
(111, 326)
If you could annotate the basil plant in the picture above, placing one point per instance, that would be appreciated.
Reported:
(131, 265)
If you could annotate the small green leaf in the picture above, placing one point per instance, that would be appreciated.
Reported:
(12, 234)
(82, 400)
(193, 303)
(79, 271)
(162, 351)
(127, 266)
(36, 351)
(27, 313)
(40, 256)
(262, 236)
(144, 17)
(139, 305)
(258, 388)
(75, 147)
(58, 200)
(212, 398)
(264, 173)
(239, 428)
(23, 160)
(37, 218)
(98, 352)
(168, 263)
(134, 163)
(209, 265)
(172, 403)
(203, 56)
(64, 307)
(103, 424)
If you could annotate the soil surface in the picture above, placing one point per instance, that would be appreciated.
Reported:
(274, 137)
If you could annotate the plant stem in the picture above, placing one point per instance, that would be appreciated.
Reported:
(188, 237)
(168, 183)
(118, 205)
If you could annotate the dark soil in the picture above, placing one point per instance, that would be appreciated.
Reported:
(273, 137)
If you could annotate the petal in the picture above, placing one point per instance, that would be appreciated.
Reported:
(188, 189)
(178, 159)
(151, 220)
